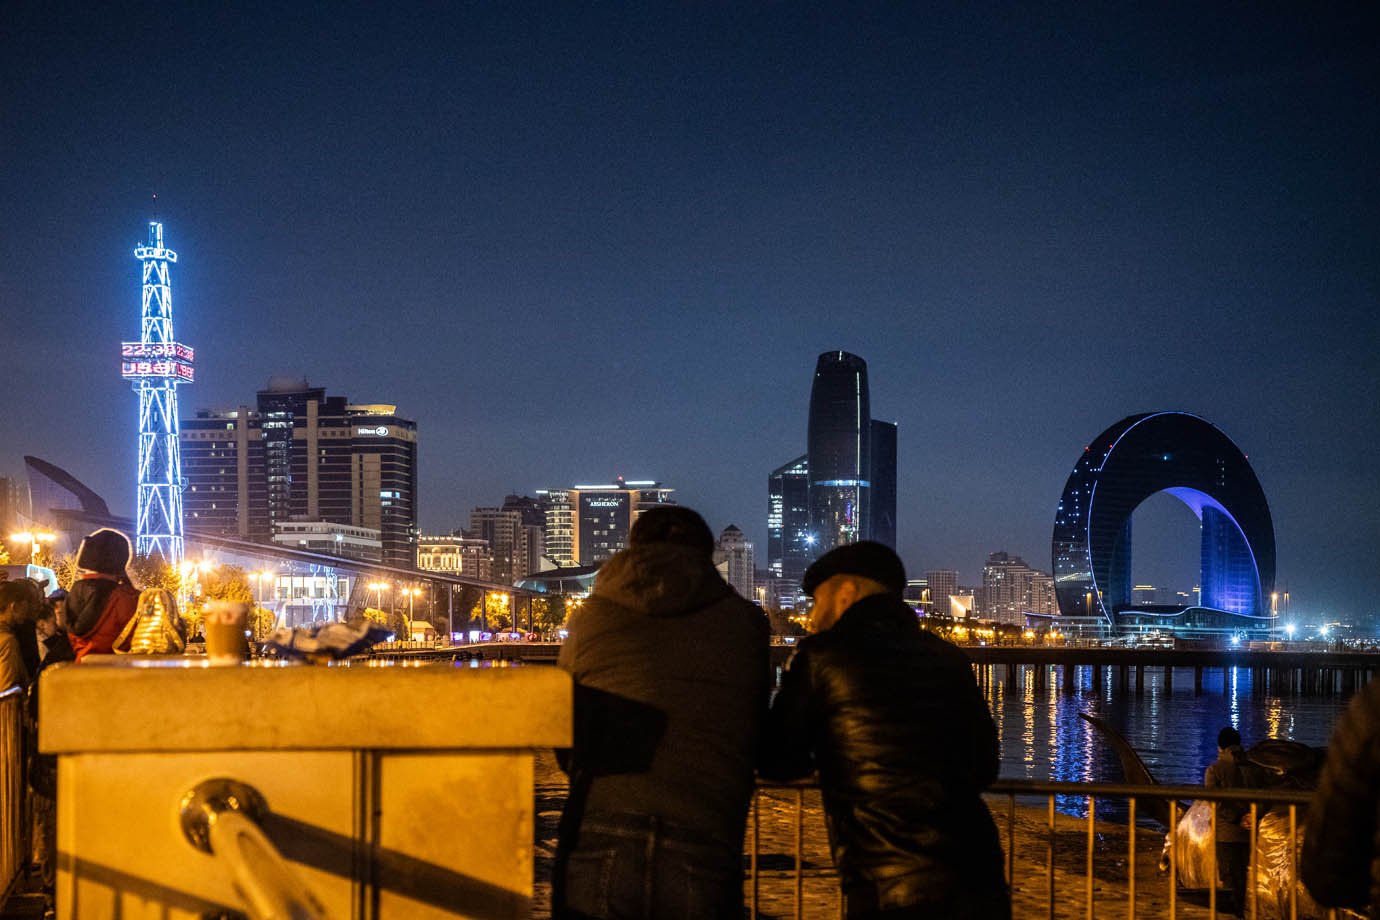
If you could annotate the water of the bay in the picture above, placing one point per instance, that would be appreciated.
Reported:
(1174, 730)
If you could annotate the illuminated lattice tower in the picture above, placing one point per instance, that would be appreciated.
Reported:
(156, 364)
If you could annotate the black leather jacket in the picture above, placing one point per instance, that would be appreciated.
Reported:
(891, 717)
(1341, 844)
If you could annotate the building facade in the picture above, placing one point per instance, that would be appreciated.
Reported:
(734, 552)
(301, 456)
(789, 544)
(839, 450)
(1011, 589)
(587, 524)
(941, 584)
(515, 533)
(459, 553)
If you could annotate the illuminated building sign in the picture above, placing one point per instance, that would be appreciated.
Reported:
(378, 432)
(176, 370)
(605, 503)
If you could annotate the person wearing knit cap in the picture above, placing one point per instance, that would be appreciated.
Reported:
(891, 717)
(102, 600)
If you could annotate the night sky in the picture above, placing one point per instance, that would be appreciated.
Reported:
(576, 240)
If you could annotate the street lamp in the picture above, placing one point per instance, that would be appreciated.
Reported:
(378, 587)
(33, 538)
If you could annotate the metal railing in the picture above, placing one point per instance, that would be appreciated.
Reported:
(224, 817)
(1062, 865)
(14, 836)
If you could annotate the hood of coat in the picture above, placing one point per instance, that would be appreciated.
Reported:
(661, 580)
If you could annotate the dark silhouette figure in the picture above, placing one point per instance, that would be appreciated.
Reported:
(891, 717)
(671, 676)
(1233, 770)
(1341, 844)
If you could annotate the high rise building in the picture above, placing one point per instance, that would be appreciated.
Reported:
(883, 512)
(735, 551)
(303, 457)
(587, 524)
(844, 488)
(839, 451)
(942, 585)
(515, 534)
(1011, 589)
(789, 544)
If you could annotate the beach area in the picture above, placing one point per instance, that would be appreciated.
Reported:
(780, 811)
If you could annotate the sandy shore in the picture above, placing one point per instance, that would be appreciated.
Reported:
(776, 885)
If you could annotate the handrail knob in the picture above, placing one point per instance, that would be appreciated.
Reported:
(209, 798)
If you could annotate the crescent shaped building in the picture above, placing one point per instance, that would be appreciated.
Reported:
(1191, 459)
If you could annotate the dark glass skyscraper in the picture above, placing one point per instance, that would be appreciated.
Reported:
(883, 514)
(839, 451)
(788, 523)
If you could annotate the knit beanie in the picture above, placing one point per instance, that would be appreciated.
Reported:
(105, 551)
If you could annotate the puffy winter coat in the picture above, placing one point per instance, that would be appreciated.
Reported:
(98, 607)
(663, 634)
(1341, 845)
(891, 717)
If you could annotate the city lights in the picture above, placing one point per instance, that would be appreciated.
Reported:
(35, 539)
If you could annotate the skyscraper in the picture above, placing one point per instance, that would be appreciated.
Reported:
(789, 548)
(303, 456)
(882, 517)
(839, 451)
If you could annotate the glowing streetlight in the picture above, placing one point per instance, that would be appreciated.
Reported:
(34, 538)
(378, 587)
(1289, 630)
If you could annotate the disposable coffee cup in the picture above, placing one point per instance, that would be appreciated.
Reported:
(224, 626)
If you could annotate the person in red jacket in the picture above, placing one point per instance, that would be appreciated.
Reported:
(102, 600)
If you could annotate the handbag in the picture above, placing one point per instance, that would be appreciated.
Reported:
(156, 628)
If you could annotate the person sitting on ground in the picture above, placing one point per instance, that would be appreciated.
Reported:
(102, 600)
(891, 717)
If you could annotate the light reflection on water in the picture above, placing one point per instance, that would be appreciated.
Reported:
(1174, 731)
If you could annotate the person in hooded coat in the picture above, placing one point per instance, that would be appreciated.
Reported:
(102, 600)
(672, 681)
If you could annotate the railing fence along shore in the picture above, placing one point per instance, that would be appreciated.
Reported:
(14, 837)
(1057, 865)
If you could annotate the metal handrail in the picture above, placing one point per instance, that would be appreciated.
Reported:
(1259, 800)
(14, 835)
(223, 817)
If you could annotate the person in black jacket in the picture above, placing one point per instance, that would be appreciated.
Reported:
(891, 717)
(1341, 844)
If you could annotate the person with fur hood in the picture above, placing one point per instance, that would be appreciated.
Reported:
(102, 600)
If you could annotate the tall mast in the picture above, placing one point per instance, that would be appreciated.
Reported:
(155, 365)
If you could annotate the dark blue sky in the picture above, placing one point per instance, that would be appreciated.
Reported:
(577, 240)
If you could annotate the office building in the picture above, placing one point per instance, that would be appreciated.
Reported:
(839, 451)
(300, 456)
(515, 533)
(586, 524)
(789, 545)
(343, 540)
(882, 516)
(1011, 589)
(734, 552)
(942, 584)
(844, 487)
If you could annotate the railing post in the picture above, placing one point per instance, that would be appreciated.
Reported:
(1092, 838)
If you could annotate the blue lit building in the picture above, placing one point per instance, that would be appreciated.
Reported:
(839, 448)
(1191, 459)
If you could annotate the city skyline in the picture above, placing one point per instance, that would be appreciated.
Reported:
(582, 243)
